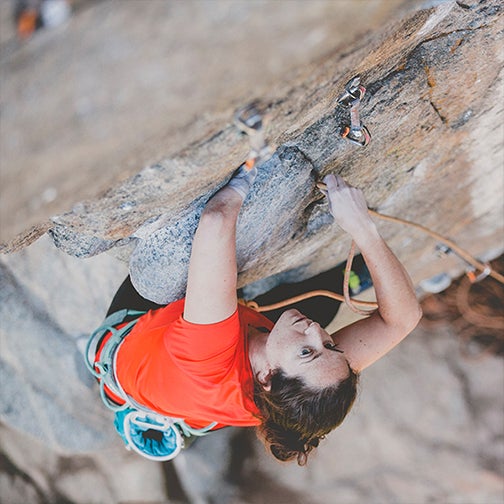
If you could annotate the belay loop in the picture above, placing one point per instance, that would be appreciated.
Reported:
(148, 433)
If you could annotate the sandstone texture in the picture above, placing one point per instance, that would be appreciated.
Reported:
(117, 127)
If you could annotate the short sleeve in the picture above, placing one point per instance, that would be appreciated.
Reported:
(202, 342)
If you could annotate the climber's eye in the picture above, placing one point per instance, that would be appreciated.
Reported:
(305, 352)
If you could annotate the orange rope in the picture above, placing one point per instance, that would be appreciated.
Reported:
(302, 297)
(352, 303)
(346, 289)
(473, 316)
(458, 250)
(474, 311)
(371, 305)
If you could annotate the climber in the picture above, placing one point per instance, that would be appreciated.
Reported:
(214, 362)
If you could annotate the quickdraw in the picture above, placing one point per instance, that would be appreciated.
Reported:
(444, 250)
(249, 120)
(351, 98)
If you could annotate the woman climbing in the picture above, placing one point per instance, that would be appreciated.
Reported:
(211, 361)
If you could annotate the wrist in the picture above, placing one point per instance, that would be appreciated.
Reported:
(365, 234)
(242, 180)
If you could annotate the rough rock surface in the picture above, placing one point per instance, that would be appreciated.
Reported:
(436, 145)
(429, 425)
(46, 389)
(117, 100)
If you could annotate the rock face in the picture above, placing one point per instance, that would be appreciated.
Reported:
(433, 111)
(433, 105)
(116, 101)
(46, 390)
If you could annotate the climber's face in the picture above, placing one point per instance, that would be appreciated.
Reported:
(301, 348)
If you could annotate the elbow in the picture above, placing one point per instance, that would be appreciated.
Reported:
(406, 320)
(413, 318)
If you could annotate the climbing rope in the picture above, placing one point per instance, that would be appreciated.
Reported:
(485, 268)
(346, 286)
(474, 311)
(354, 304)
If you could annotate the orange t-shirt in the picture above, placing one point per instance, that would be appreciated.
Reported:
(200, 373)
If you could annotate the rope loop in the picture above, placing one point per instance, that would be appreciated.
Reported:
(346, 289)
(371, 306)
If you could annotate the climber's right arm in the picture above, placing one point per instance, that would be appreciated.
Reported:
(211, 284)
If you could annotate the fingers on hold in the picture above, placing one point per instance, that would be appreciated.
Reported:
(330, 180)
(341, 181)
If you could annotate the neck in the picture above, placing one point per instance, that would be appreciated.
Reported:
(257, 351)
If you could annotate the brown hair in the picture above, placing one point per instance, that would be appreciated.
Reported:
(296, 417)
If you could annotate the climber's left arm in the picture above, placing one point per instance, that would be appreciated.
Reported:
(212, 279)
(367, 340)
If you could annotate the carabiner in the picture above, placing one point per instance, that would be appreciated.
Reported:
(360, 137)
(475, 278)
(249, 120)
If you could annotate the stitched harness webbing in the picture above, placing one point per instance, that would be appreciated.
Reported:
(104, 370)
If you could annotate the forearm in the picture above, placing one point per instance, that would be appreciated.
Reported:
(397, 303)
(369, 339)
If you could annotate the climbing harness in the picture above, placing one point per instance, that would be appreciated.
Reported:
(448, 246)
(151, 434)
(350, 99)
